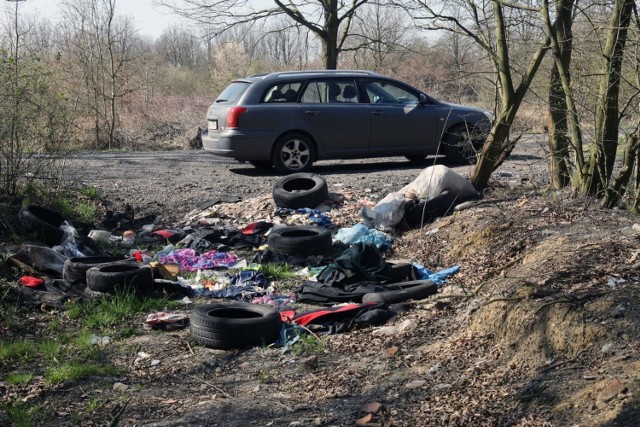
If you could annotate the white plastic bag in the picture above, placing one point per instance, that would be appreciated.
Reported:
(387, 213)
(433, 180)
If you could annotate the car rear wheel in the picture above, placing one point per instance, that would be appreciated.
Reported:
(462, 145)
(293, 153)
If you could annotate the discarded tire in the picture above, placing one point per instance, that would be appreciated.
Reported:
(300, 240)
(300, 190)
(114, 276)
(234, 325)
(75, 269)
(414, 290)
(45, 222)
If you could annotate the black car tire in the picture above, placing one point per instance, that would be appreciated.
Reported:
(45, 222)
(234, 325)
(262, 164)
(75, 268)
(300, 190)
(414, 290)
(462, 144)
(300, 240)
(292, 153)
(114, 276)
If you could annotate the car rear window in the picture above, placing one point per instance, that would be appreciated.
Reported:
(232, 93)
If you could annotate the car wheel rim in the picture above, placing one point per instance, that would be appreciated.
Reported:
(295, 154)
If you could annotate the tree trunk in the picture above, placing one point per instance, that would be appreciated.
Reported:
(557, 127)
(330, 35)
(607, 118)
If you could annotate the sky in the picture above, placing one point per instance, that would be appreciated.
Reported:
(148, 19)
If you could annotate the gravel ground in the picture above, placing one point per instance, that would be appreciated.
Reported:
(169, 184)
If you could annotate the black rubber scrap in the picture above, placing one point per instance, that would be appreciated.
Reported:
(300, 240)
(300, 190)
(120, 276)
(413, 290)
(234, 325)
(43, 222)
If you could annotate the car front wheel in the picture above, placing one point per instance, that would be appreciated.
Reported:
(293, 153)
(462, 145)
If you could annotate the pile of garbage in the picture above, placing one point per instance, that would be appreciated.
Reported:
(343, 269)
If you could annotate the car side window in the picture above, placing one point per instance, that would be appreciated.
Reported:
(385, 92)
(282, 92)
(331, 91)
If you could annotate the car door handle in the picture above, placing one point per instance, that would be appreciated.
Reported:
(378, 113)
(311, 112)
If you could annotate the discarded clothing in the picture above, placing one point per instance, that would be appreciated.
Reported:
(362, 233)
(233, 238)
(438, 278)
(321, 293)
(190, 261)
(361, 262)
(250, 278)
(417, 213)
(167, 321)
(260, 227)
(314, 215)
(334, 320)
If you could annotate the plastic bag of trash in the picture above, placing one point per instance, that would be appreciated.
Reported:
(434, 180)
(350, 235)
(387, 213)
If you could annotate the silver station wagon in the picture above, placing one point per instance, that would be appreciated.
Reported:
(291, 119)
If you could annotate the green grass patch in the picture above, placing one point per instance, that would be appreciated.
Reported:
(308, 344)
(21, 351)
(22, 415)
(73, 371)
(49, 349)
(108, 314)
(17, 378)
(89, 192)
(275, 271)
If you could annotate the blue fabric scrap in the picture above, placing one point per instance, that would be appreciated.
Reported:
(438, 278)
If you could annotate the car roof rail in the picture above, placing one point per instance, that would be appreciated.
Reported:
(336, 72)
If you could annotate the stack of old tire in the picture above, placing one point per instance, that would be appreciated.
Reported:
(236, 324)
(300, 190)
(108, 274)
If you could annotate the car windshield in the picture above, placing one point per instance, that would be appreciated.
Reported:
(232, 93)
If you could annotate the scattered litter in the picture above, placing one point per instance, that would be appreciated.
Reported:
(30, 281)
(100, 341)
(167, 321)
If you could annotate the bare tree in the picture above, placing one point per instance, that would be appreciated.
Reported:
(103, 57)
(179, 47)
(329, 20)
(487, 25)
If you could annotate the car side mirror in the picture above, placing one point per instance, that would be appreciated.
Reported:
(423, 99)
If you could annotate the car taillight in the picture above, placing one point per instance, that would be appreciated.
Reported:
(233, 117)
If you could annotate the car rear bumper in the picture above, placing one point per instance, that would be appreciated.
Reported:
(238, 145)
